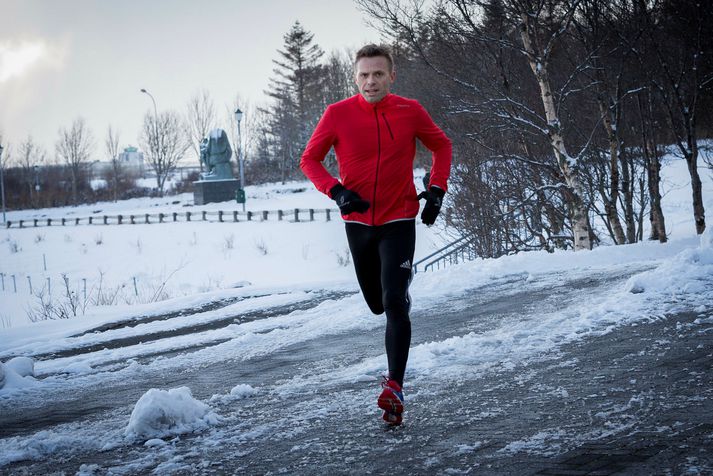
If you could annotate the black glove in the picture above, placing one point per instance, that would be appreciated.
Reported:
(434, 200)
(348, 201)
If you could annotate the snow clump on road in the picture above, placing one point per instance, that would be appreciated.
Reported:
(238, 392)
(160, 413)
(16, 373)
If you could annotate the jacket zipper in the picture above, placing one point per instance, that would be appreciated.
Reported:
(387, 126)
(378, 161)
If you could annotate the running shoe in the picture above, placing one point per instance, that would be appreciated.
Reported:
(391, 401)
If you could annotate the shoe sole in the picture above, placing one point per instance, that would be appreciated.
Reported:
(390, 403)
(391, 419)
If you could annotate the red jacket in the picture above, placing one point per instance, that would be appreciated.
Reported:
(375, 146)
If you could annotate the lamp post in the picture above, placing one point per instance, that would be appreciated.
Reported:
(155, 120)
(238, 118)
(2, 184)
(155, 110)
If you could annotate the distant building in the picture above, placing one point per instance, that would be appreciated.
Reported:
(129, 160)
(132, 157)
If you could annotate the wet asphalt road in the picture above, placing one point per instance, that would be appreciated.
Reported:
(634, 401)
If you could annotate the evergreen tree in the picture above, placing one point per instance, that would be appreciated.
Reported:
(297, 98)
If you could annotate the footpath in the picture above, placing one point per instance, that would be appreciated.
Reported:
(637, 400)
(634, 401)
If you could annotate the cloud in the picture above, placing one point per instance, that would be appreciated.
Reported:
(19, 58)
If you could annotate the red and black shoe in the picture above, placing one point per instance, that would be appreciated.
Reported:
(391, 401)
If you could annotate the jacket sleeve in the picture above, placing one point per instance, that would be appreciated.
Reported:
(440, 146)
(319, 144)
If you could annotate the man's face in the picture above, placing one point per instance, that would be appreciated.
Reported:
(374, 78)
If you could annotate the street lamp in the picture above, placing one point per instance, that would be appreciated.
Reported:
(155, 121)
(238, 118)
(155, 110)
(2, 185)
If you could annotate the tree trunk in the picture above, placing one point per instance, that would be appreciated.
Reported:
(699, 214)
(74, 186)
(653, 169)
(658, 224)
(610, 205)
(568, 167)
(627, 188)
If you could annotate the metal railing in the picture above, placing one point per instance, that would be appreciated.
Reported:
(453, 253)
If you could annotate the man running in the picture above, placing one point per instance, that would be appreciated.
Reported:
(374, 136)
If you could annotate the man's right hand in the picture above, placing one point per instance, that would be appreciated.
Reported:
(348, 201)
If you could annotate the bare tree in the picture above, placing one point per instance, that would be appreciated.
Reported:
(164, 141)
(74, 148)
(457, 34)
(541, 25)
(200, 119)
(682, 76)
(31, 157)
(111, 148)
(338, 82)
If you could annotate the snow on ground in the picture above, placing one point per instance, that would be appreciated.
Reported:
(142, 264)
(151, 269)
(272, 264)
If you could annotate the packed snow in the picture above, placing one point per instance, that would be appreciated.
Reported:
(161, 413)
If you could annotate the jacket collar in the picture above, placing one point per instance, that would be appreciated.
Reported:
(367, 106)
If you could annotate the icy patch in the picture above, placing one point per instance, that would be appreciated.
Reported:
(542, 443)
(88, 470)
(465, 449)
(77, 368)
(160, 413)
(38, 446)
(154, 442)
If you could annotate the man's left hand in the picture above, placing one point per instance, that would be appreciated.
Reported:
(434, 200)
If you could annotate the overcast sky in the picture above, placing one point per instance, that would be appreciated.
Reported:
(63, 59)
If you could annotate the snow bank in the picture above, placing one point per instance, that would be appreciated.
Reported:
(16, 373)
(686, 275)
(160, 413)
(683, 281)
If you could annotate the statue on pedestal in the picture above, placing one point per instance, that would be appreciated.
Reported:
(217, 184)
(215, 154)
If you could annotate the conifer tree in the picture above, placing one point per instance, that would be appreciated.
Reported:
(297, 98)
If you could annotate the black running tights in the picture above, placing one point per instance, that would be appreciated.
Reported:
(383, 257)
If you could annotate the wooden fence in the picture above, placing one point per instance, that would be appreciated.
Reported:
(233, 216)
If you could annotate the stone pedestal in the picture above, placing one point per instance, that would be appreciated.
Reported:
(211, 191)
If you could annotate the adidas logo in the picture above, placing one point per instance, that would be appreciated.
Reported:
(406, 264)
